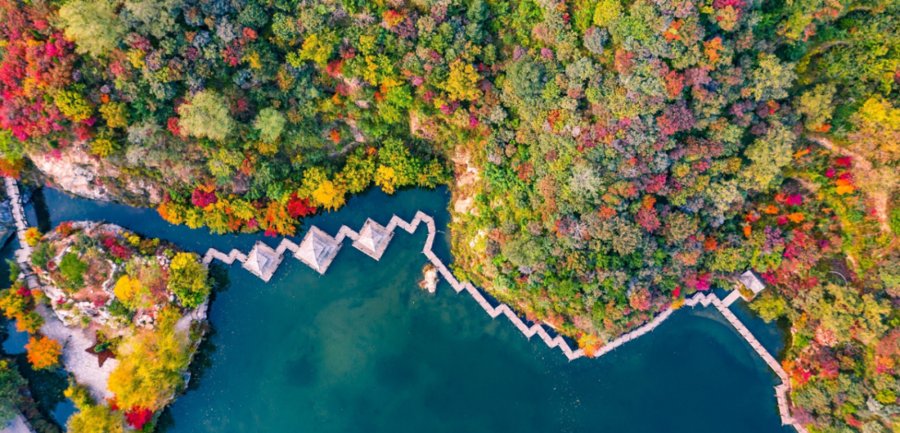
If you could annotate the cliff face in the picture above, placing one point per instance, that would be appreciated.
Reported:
(75, 171)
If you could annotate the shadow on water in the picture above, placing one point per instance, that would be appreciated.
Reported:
(41, 211)
(203, 358)
(202, 362)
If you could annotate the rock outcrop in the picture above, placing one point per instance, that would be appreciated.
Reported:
(77, 172)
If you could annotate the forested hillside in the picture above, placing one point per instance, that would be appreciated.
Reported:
(607, 157)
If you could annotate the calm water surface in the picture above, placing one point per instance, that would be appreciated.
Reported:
(362, 349)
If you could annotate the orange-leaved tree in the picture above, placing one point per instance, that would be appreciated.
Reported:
(43, 352)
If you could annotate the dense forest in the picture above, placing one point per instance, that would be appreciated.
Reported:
(607, 157)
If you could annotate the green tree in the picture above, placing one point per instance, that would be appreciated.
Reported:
(11, 383)
(93, 25)
(768, 155)
(270, 123)
(206, 116)
(769, 306)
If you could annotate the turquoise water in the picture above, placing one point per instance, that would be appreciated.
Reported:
(362, 349)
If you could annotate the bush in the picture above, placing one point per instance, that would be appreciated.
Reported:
(40, 256)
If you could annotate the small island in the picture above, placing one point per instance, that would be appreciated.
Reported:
(429, 278)
(122, 313)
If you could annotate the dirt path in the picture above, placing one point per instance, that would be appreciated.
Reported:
(880, 199)
(83, 365)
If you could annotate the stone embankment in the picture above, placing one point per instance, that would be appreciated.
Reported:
(317, 250)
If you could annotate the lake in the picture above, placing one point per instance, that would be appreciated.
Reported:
(363, 349)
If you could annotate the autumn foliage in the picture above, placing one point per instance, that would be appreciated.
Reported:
(43, 352)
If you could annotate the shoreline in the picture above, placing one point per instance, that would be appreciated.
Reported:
(327, 247)
(782, 390)
(75, 342)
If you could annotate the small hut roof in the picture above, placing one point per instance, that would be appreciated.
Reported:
(373, 239)
(317, 250)
(752, 282)
(262, 261)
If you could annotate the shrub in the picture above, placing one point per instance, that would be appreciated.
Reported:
(40, 256)
(103, 147)
(32, 236)
(129, 291)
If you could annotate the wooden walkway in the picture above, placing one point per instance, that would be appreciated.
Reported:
(23, 254)
(733, 296)
(782, 391)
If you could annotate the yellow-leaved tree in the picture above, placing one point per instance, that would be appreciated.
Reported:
(329, 195)
(127, 290)
(151, 364)
(188, 279)
(91, 417)
(462, 83)
(386, 178)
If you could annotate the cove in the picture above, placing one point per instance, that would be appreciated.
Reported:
(363, 349)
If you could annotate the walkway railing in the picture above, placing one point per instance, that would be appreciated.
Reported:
(782, 391)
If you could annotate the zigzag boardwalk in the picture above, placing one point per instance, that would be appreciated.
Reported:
(317, 249)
